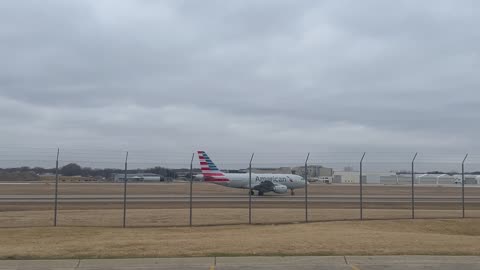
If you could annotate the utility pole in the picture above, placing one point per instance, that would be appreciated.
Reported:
(306, 188)
(413, 186)
(250, 190)
(125, 193)
(56, 191)
(361, 186)
(191, 187)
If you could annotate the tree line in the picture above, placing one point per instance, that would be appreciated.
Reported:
(74, 169)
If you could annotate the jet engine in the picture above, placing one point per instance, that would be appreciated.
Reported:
(280, 189)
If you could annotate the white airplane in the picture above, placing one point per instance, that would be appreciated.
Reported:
(278, 183)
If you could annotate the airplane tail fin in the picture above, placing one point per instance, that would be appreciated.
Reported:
(210, 171)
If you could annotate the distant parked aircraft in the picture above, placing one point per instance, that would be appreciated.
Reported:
(278, 183)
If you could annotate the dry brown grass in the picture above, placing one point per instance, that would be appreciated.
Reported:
(429, 237)
(206, 216)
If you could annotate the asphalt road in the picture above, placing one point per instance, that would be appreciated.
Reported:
(257, 263)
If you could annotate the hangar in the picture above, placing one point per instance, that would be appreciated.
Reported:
(138, 177)
(432, 179)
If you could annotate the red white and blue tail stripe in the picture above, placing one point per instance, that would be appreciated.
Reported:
(209, 170)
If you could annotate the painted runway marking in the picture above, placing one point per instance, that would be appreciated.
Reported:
(9, 183)
(354, 267)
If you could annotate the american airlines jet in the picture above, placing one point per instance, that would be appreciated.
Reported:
(278, 183)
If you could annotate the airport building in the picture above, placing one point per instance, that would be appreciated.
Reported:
(138, 177)
(441, 179)
(352, 177)
(314, 171)
(471, 179)
(396, 179)
(428, 179)
(348, 177)
(436, 179)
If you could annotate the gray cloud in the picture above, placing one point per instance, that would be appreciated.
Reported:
(241, 75)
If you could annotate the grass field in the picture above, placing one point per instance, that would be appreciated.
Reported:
(427, 237)
(206, 216)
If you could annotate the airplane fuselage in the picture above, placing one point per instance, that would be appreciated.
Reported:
(241, 180)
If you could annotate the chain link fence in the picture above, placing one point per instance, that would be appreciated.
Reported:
(74, 187)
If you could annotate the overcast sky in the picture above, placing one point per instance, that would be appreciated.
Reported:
(241, 76)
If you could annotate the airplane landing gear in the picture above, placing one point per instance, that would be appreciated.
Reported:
(292, 192)
(252, 193)
(260, 193)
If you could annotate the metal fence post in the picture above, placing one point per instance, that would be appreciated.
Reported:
(463, 186)
(125, 180)
(250, 190)
(306, 188)
(361, 186)
(56, 191)
(191, 187)
(413, 186)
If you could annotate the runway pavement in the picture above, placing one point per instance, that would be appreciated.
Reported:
(231, 198)
(257, 263)
(39, 196)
